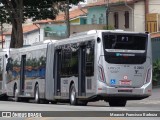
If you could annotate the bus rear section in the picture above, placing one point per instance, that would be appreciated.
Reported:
(125, 67)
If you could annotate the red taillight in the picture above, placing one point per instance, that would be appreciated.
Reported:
(149, 75)
(101, 74)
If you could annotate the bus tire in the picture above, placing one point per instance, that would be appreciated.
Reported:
(117, 103)
(16, 99)
(36, 94)
(72, 95)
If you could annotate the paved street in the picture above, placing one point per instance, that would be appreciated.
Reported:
(149, 104)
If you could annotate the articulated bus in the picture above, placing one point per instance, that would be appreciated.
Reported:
(110, 65)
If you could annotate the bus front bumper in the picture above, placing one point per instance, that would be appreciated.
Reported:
(126, 93)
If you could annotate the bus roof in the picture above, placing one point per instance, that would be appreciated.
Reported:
(97, 31)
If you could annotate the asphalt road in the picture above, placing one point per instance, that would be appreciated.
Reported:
(149, 104)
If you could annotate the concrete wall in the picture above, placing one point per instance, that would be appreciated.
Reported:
(154, 6)
(83, 20)
(31, 37)
(96, 11)
(75, 21)
(121, 11)
(82, 28)
(136, 16)
(92, 1)
(7, 41)
(139, 16)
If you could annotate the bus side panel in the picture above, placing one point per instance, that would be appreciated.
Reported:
(2, 73)
(49, 82)
(12, 73)
(35, 69)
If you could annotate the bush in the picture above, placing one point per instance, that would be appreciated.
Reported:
(156, 70)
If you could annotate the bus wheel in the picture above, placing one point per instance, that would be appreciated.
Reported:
(72, 95)
(16, 99)
(117, 103)
(36, 94)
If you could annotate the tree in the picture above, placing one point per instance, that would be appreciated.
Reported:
(156, 71)
(17, 11)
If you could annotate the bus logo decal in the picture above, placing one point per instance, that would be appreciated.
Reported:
(118, 54)
(125, 77)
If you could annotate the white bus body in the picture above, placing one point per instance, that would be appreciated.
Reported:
(114, 66)
(3, 62)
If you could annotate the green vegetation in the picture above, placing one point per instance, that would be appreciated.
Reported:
(156, 71)
(17, 11)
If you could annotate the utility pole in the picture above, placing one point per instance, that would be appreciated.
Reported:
(67, 19)
(107, 14)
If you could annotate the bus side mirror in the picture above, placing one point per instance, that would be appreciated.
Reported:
(6, 55)
(98, 40)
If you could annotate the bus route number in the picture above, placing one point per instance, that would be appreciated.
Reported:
(138, 67)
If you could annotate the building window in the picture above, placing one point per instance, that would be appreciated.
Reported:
(116, 20)
(93, 20)
(101, 19)
(126, 19)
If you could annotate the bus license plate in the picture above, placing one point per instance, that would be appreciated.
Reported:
(125, 82)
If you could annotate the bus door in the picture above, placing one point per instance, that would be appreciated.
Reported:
(22, 74)
(82, 71)
(57, 71)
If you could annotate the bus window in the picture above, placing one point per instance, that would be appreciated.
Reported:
(127, 42)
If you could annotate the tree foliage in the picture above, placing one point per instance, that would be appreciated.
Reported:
(17, 11)
(156, 70)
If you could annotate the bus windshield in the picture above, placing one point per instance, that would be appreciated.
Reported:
(125, 48)
(125, 41)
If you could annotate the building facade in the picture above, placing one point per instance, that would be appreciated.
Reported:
(31, 34)
(96, 15)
